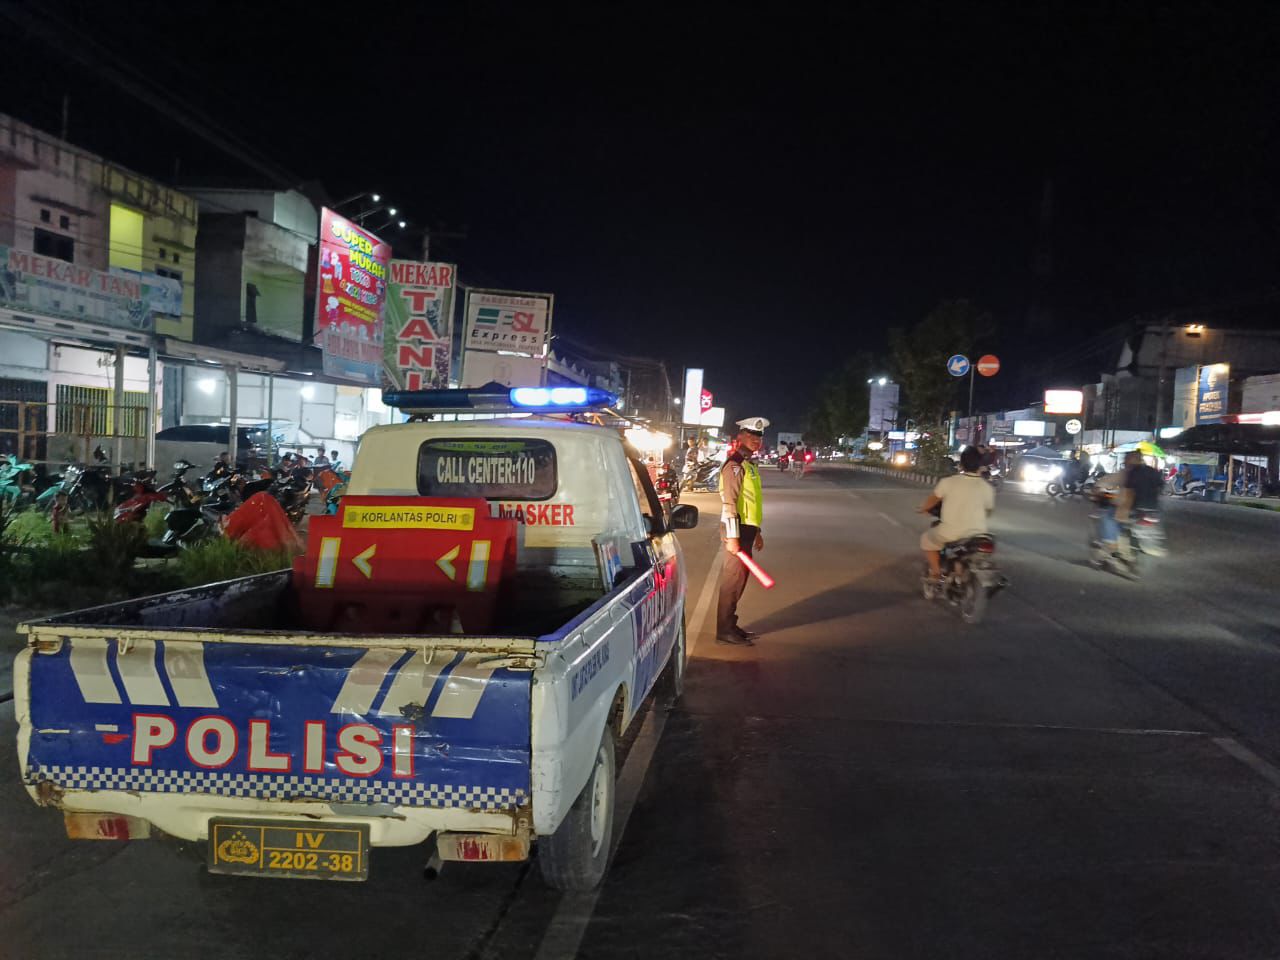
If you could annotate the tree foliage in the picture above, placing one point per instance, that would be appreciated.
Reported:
(918, 357)
(841, 406)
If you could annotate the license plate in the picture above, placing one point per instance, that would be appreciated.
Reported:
(295, 849)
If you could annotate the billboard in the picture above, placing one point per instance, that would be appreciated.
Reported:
(713, 417)
(480, 367)
(354, 267)
(30, 283)
(418, 326)
(883, 403)
(509, 321)
(1211, 392)
(691, 405)
(1069, 402)
(160, 295)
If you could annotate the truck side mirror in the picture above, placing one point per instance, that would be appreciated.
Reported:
(684, 517)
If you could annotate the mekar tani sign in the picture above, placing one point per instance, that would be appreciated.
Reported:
(421, 307)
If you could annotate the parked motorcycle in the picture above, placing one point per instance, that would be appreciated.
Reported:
(178, 491)
(705, 476)
(144, 495)
(293, 491)
(1244, 488)
(185, 527)
(17, 481)
(970, 577)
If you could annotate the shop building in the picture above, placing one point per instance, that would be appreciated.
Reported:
(96, 270)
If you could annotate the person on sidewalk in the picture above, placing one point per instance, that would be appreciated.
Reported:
(742, 514)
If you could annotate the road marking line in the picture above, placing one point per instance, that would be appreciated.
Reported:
(885, 516)
(966, 724)
(704, 603)
(1232, 747)
(563, 936)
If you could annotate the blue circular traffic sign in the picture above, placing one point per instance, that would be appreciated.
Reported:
(958, 365)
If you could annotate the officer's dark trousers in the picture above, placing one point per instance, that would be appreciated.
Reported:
(733, 580)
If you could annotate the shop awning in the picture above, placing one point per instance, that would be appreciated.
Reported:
(198, 353)
(1241, 439)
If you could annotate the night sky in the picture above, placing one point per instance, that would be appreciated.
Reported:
(760, 194)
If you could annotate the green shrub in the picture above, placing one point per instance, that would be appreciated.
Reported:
(222, 559)
(30, 527)
(112, 549)
(154, 522)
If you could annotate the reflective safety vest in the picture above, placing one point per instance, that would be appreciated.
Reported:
(750, 497)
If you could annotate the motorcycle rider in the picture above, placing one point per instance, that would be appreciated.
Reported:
(966, 500)
(1134, 487)
(690, 458)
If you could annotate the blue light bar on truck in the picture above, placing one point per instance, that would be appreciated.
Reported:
(495, 398)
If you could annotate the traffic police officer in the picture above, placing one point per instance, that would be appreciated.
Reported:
(742, 514)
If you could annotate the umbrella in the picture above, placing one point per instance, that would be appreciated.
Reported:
(1147, 448)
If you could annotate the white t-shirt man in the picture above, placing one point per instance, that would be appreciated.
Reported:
(967, 499)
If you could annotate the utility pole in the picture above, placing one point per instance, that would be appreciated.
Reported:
(1164, 340)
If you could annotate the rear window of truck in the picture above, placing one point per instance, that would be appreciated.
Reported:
(495, 469)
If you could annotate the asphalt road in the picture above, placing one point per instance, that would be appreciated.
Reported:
(1088, 774)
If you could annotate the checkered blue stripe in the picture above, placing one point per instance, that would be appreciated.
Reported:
(408, 794)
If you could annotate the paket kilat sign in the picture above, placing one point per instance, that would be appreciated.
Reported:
(354, 267)
(509, 321)
(419, 326)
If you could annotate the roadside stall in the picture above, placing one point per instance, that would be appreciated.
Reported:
(1245, 451)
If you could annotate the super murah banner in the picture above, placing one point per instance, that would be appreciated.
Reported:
(354, 269)
(418, 326)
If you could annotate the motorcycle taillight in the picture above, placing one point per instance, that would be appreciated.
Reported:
(986, 546)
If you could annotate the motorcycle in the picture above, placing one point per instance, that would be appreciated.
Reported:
(177, 491)
(1193, 489)
(144, 494)
(293, 491)
(668, 486)
(88, 487)
(970, 577)
(1244, 488)
(17, 481)
(705, 476)
(185, 527)
(1069, 485)
(1144, 534)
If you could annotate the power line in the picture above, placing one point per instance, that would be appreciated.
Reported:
(61, 35)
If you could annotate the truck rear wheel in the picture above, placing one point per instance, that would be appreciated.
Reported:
(575, 856)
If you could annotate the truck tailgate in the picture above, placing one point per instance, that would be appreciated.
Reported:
(410, 727)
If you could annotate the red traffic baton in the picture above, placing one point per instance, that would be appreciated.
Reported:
(766, 581)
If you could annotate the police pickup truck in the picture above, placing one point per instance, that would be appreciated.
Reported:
(451, 663)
